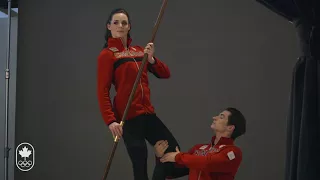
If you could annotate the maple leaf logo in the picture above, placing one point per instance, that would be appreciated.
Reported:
(25, 153)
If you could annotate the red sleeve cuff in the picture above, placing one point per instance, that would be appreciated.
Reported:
(155, 60)
(110, 122)
(178, 158)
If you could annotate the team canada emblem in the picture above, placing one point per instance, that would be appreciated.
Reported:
(25, 157)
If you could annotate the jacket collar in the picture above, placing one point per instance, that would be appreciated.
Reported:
(117, 43)
(222, 141)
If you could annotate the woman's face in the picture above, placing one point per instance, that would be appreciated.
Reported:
(119, 25)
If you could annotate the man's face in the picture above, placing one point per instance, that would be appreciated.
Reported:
(220, 123)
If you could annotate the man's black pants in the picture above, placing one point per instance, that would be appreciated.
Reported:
(147, 127)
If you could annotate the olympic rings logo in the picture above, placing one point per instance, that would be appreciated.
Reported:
(25, 163)
(25, 156)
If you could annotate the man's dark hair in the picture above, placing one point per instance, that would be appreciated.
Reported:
(237, 119)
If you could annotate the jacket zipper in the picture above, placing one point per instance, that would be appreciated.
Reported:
(199, 175)
(201, 171)
(140, 78)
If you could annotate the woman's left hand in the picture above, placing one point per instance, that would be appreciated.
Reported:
(149, 49)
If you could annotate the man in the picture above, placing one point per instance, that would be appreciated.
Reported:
(220, 159)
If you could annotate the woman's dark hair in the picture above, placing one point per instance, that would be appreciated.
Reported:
(108, 32)
(237, 119)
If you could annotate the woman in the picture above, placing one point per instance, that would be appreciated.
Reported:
(118, 64)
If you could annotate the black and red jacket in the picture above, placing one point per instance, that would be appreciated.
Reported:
(119, 66)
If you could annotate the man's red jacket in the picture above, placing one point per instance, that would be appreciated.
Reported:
(207, 162)
(119, 66)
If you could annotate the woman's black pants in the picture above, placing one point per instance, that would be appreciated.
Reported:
(147, 127)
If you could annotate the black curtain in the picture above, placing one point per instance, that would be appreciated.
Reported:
(303, 130)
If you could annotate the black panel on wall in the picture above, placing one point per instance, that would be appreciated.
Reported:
(285, 8)
(4, 4)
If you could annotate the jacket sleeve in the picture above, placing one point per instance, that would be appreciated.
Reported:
(181, 170)
(177, 171)
(225, 161)
(104, 81)
(159, 69)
